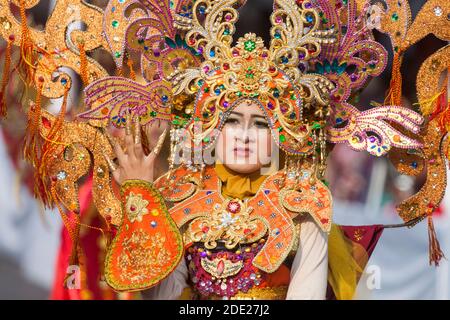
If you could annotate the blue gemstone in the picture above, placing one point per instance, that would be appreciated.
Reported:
(414, 165)
(309, 18)
(266, 191)
(217, 91)
(212, 53)
(153, 224)
(187, 210)
(208, 192)
(284, 59)
(339, 120)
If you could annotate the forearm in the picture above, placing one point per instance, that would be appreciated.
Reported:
(310, 267)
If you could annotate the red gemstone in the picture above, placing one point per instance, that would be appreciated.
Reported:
(220, 267)
(233, 207)
(205, 229)
(132, 208)
(226, 66)
(247, 231)
(324, 220)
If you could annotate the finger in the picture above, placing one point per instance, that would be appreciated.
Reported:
(138, 148)
(159, 144)
(120, 154)
(129, 140)
(128, 123)
(148, 133)
(112, 166)
(137, 130)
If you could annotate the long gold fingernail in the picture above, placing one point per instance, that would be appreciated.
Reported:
(112, 166)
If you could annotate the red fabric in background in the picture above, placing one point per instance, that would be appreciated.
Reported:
(366, 236)
(91, 250)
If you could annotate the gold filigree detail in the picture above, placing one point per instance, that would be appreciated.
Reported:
(136, 207)
(229, 222)
(142, 254)
(221, 268)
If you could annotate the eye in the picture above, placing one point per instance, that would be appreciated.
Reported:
(261, 124)
(231, 121)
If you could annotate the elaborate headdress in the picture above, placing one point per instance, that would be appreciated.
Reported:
(322, 53)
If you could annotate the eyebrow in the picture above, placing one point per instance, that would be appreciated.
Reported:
(252, 116)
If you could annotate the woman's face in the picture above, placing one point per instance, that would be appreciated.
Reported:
(245, 143)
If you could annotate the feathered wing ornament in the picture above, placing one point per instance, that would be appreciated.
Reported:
(154, 37)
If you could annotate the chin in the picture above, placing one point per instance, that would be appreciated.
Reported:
(244, 168)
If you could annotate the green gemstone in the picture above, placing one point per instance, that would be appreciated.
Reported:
(117, 54)
(115, 23)
(310, 143)
(282, 138)
(293, 97)
(206, 90)
(316, 125)
(175, 122)
(326, 182)
(239, 93)
(206, 139)
(153, 113)
(394, 17)
(249, 45)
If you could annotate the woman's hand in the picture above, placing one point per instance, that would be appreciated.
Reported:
(133, 162)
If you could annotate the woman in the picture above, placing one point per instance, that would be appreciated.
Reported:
(245, 139)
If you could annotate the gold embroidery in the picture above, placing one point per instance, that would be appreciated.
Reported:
(358, 234)
(136, 207)
(270, 293)
(142, 256)
(231, 222)
(221, 268)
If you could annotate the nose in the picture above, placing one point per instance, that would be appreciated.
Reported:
(246, 135)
